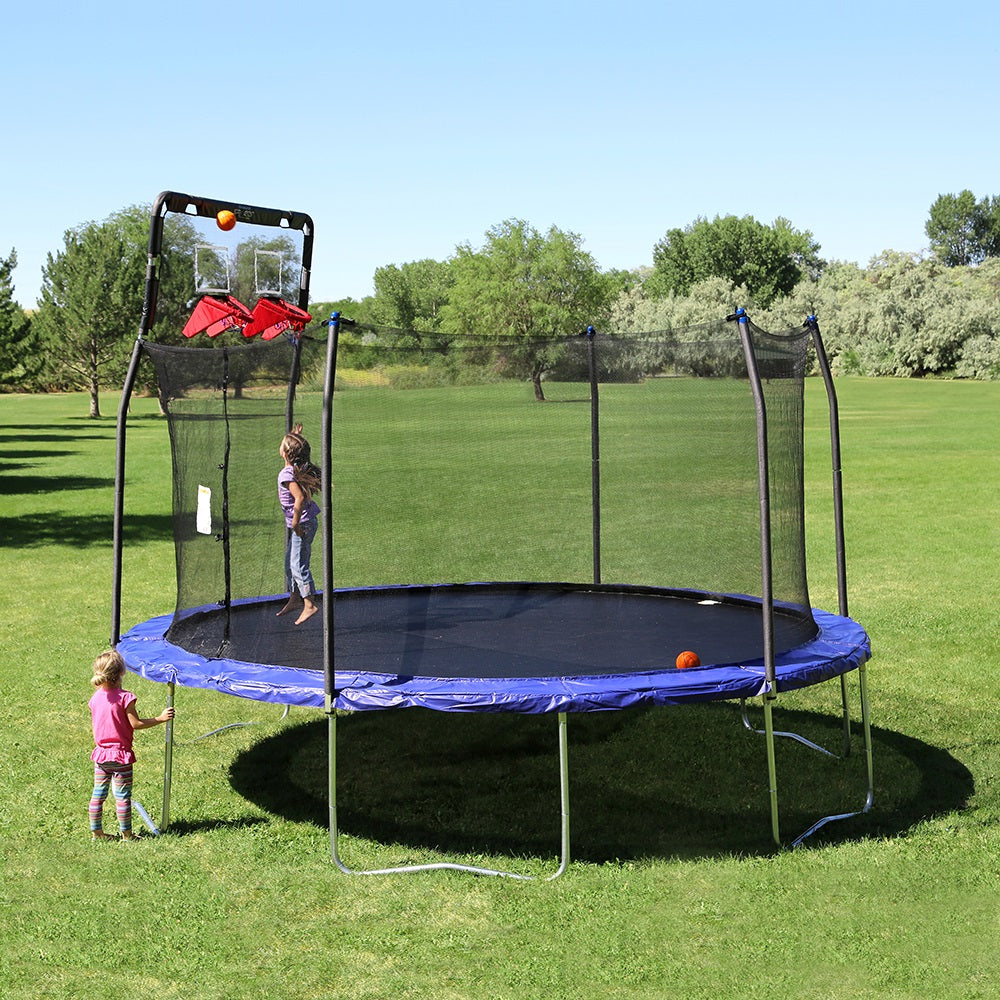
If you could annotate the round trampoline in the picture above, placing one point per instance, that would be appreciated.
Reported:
(676, 470)
(499, 647)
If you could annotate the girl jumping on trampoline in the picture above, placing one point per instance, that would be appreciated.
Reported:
(114, 717)
(297, 482)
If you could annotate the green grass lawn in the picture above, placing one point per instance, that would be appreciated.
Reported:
(674, 890)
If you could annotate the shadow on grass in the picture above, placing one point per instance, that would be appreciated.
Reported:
(25, 484)
(25, 437)
(81, 530)
(684, 782)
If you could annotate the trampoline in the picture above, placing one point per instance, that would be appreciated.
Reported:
(499, 647)
(466, 558)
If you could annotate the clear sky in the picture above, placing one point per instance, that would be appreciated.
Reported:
(405, 129)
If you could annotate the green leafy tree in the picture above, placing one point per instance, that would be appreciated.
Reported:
(963, 230)
(411, 296)
(521, 288)
(768, 261)
(905, 317)
(91, 299)
(362, 311)
(18, 358)
(265, 264)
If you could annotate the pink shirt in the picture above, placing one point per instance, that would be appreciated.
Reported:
(112, 730)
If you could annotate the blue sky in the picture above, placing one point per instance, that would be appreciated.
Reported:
(405, 129)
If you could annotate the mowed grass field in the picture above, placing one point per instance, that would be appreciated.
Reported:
(674, 891)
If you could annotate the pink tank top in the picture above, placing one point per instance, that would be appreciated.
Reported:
(112, 730)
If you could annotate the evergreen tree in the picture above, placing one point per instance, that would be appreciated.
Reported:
(92, 294)
(19, 360)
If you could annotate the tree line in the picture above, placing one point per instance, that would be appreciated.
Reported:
(904, 314)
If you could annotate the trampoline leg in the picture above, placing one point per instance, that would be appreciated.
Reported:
(867, 730)
(331, 742)
(563, 797)
(450, 865)
(168, 761)
(772, 771)
(866, 726)
(845, 705)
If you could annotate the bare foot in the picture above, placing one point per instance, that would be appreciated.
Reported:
(309, 609)
(294, 603)
(101, 835)
(129, 835)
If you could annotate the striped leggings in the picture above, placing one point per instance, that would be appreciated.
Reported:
(118, 777)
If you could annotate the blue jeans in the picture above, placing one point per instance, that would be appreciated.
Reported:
(298, 575)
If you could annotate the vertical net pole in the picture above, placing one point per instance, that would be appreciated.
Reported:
(595, 452)
(326, 529)
(227, 568)
(326, 495)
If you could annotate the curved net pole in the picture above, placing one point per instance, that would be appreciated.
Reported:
(769, 731)
(150, 290)
(767, 595)
(119, 504)
(838, 515)
(838, 502)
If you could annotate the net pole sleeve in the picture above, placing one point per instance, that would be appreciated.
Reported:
(838, 479)
(326, 521)
(119, 503)
(595, 452)
(764, 492)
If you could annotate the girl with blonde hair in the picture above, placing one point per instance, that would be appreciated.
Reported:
(114, 718)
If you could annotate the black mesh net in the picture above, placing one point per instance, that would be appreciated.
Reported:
(461, 460)
(227, 410)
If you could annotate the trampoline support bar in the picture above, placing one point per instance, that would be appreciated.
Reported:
(449, 865)
(772, 771)
(168, 760)
(770, 732)
(867, 731)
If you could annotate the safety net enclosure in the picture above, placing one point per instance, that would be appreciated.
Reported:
(490, 550)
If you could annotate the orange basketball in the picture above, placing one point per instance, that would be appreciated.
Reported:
(687, 659)
(225, 219)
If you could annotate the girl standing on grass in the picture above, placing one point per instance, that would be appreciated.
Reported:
(114, 717)
(298, 480)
